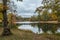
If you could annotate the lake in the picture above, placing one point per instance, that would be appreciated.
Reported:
(38, 28)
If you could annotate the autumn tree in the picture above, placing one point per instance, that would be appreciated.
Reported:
(52, 6)
(6, 30)
(11, 20)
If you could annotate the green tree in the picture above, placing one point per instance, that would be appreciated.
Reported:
(54, 5)
(33, 18)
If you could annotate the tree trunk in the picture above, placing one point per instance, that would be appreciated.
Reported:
(6, 30)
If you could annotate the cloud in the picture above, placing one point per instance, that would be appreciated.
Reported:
(27, 6)
(27, 14)
(0, 1)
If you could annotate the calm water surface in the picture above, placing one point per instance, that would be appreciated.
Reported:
(34, 27)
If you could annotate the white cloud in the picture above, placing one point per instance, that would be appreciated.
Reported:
(0, 1)
(27, 6)
(27, 14)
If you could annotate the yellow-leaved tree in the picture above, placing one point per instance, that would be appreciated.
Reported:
(6, 30)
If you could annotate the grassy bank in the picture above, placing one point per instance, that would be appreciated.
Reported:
(27, 35)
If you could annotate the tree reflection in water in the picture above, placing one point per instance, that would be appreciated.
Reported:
(42, 28)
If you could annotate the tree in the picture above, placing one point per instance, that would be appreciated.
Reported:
(43, 13)
(1, 7)
(6, 30)
(39, 10)
(11, 20)
(53, 17)
(33, 18)
(54, 6)
(1, 16)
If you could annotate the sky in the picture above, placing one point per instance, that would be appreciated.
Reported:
(0, 1)
(26, 8)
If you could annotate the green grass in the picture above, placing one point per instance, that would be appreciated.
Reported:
(27, 35)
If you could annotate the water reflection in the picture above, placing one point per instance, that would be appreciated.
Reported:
(40, 28)
(28, 27)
